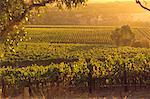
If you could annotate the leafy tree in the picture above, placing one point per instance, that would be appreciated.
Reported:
(14, 13)
(123, 36)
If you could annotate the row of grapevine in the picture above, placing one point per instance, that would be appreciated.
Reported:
(64, 35)
(46, 51)
(68, 51)
(110, 70)
(142, 33)
(146, 33)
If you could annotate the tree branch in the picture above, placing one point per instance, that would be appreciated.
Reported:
(138, 2)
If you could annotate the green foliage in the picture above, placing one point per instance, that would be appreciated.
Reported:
(46, 51)
(106, 65)
(12, 40)
(11, 30)
(123, 36)
(109, 70)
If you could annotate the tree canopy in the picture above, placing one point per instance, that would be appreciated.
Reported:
(123, 36)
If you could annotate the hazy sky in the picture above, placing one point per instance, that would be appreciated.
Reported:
(93, 1)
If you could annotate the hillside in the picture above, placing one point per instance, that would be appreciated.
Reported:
(117, 13)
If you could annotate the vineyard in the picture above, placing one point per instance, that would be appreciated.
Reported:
(74, 57)
(80, 34)
(74, 49)
(95, 67)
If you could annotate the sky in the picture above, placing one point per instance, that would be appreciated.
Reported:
(103, 1)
